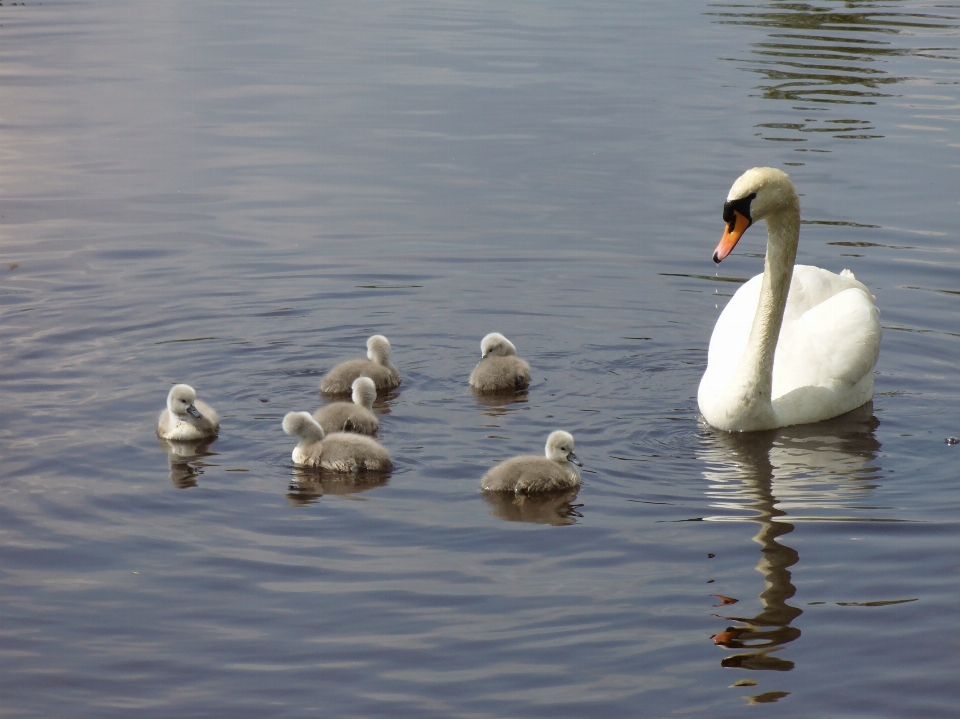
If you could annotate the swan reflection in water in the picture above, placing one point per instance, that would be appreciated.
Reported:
(497, 404)
(308, 484)
(556, 508)
(809, 472)
(186, 460)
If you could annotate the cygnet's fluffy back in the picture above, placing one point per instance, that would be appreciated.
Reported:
(530, 474)
(499, 369)
(337, 452)
(187, 419)
(377, 367)
(356, 416)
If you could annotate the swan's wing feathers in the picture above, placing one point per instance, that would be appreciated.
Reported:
(834, 343)
(811, 286)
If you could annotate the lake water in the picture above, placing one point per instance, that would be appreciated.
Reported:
(236, 195)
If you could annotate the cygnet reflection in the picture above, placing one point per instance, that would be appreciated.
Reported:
(530, 474)
(377, 367)
(497, 404)
(186, 460)
(337, 452)
(499, 369)
(308, 485)
(356, 416)
(556, 508)
(186, 418)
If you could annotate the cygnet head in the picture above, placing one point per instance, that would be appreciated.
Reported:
(180, 401)
(496, 344)
(757, 193)
(378, 349)
(560, 448)
(302, 425)
(364, 392)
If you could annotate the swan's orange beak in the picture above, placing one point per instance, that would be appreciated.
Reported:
(731, 236)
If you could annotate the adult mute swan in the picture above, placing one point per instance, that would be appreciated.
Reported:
(499, 368)
(796, 344)
(529, 474)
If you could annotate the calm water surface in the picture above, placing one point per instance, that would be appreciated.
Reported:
(236, 195)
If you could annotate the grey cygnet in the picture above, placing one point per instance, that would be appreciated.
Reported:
(377, 367)
(530, 474)
(499, 369)
(186, 418)
(338, 452)
(356, 416)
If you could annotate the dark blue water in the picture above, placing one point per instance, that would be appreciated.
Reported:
(236, 195)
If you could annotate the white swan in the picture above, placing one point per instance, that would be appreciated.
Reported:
(796, 344)
(377, 367)
(499, 368)
(338, 452)
(356, 416)
(530, 474)
(186, 418)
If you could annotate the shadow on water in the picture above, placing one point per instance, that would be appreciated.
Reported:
(556, 509)
(308, 485)
(828, 58)
(187, 460)
(776, 475)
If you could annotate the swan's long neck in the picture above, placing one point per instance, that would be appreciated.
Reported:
(755, 372)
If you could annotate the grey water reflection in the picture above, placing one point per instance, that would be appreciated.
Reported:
(554, 509)
(829, 59)
(307, 485)
(825, 467)
(497, 404)
(187, 460)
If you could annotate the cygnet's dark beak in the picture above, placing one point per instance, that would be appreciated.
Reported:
(194, 411)
(573, 458)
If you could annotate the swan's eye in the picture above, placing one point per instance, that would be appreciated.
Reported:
(742, 206)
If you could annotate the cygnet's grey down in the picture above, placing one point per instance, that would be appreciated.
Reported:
(530, 474)
(186, 418)
(499, 368)
(377, 367)
(356, 416)
(338, 452)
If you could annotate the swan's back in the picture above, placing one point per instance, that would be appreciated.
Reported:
(498, 374)
(346, 417)
(530, 474)
(340, 379)
(347, 452)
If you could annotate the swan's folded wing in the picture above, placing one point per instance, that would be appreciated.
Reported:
(833, 344)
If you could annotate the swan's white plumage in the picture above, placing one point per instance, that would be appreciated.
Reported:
(825, 353)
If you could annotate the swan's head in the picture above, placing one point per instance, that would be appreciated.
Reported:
(756, 194)
(378, 349)
(302, 425)
(180, 401)
(496, 344)
(364, 392)
(560, 448)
